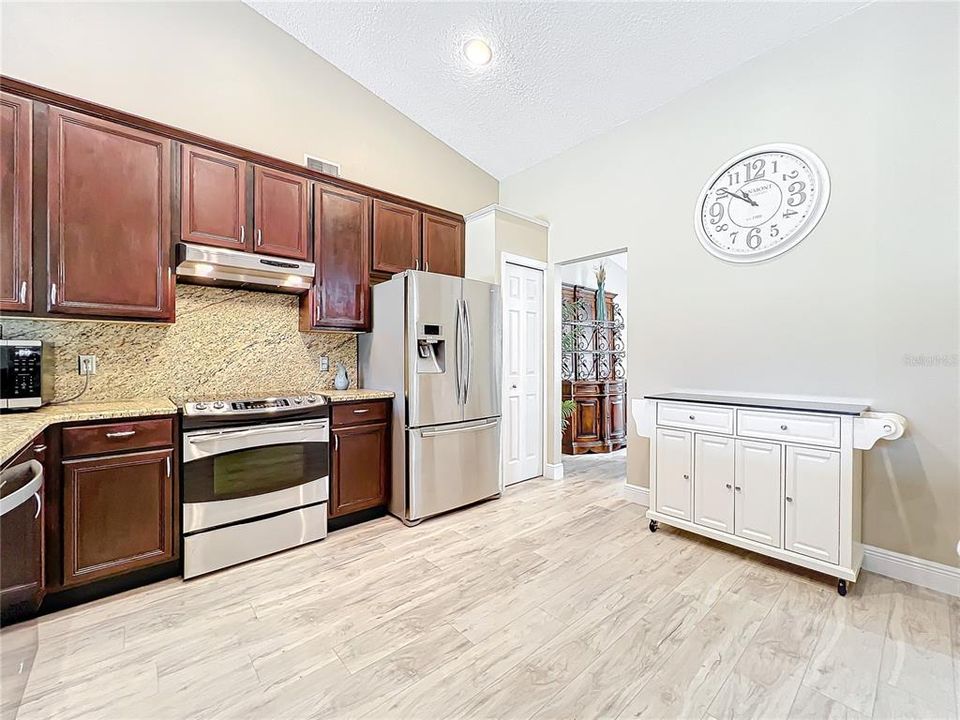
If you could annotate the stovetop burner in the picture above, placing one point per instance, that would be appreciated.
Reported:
(252, 406)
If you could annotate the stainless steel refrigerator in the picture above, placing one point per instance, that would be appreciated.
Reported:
(436, 343)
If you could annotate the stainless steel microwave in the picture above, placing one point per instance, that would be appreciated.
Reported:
(26, 374)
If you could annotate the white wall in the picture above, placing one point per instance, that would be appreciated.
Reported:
(222, 70)
(865, 307)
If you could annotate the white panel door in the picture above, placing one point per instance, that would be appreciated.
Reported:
(812, 503)
(757, 503)
(523, 359)
(674, 471)
(713, 482)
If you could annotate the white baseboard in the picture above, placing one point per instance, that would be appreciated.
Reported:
(932, 575)
(637, 494)
(553, 471)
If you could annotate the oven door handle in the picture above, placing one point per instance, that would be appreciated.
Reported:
(200, 445)
(229, 434)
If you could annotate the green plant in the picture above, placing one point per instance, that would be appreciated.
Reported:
(567, 408)
(570, 310)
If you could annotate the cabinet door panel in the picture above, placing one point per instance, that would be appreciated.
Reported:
(117, 514)
(396, 237)
(341, 240)
(213, 204)
(674, 469)
(280, 213)
(617, 425)
(359, 478)
(443, 241)
(812, 503)
(713, 482)
(758, 498)
(109, 210)
(16, 222)
(22, 539)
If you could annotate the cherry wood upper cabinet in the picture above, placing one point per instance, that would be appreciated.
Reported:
(443, 245)
(396, 238)
(341, 236)
(280, 213)
(117, 514)
(16, 264)
(109, 219)
(213, 199)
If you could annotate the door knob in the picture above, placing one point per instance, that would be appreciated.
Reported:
(729, 486)
(686, 477)
(513, 387)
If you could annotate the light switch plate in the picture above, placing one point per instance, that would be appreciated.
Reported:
(87, 364)
(324, 363)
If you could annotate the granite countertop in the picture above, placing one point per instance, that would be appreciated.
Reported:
(19, 428)
(354, 394)
(765, 403)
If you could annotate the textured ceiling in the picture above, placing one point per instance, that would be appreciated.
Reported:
(561, 73)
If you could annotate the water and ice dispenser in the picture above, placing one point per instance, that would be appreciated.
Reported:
(431, 348)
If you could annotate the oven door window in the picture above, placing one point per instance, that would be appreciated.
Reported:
(253, 471)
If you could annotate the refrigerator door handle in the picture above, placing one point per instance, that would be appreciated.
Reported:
(459, 358)
(469, 368)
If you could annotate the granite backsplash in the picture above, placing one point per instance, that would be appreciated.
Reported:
(224, 342)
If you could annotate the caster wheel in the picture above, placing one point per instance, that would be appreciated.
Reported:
(842, 588)
(654, 526)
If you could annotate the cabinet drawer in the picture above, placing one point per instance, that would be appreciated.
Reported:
(361, 412)
(117, 437)
(795, 427)
(695, 417)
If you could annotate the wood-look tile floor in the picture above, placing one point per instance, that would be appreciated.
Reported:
(553, 602)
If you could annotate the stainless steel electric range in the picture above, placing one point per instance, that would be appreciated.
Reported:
(255, 478)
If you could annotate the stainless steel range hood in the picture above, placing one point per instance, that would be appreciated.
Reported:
(206, 265)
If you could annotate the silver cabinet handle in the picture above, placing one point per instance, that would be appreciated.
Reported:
(416, 263)
(783, 427)
(39, 448)
(121, 434)
(259, 237)
(361, 412)
(36, 496)
(53, 294)
(243, 234)
(336, 442)
(169, 470)
(23, 292)
(426, 266)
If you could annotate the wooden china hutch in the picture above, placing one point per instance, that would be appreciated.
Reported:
(594, 372)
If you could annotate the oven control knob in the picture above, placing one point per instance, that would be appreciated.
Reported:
(218, 405)
(311, 398)
(200, 406)
(297, 400)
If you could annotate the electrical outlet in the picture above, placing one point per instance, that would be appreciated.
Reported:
(87, 364)
(324, 363)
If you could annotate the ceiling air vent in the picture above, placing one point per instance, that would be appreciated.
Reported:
(321, 165)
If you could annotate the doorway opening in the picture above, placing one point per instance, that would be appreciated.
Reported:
(593, 366)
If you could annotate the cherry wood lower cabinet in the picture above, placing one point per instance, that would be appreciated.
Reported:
(396, 238)
(599, 422)
(213, 199)
(16, 234)
(360, 457)
(340, 297)
(109, 213)
(280, 213)
(117, 514)
(443, 245)
(22, 540)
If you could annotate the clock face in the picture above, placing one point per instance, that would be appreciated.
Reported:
(762, 203)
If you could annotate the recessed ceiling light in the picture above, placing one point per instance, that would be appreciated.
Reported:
(477, 52)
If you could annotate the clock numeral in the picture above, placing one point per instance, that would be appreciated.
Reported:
(775, 167)
(774, 230)
(753, 238)
(790, 175)
(797, 195)
(733, 236)
(755, 169)
(787, 213)
(733, 177)
(723, 228)
(716, 213)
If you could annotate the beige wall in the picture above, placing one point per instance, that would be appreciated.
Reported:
(222, 70)
(866, 307)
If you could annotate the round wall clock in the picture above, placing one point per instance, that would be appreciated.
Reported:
(762, 202)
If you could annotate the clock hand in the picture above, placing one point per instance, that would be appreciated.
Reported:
(749, 199)
(738, 197)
